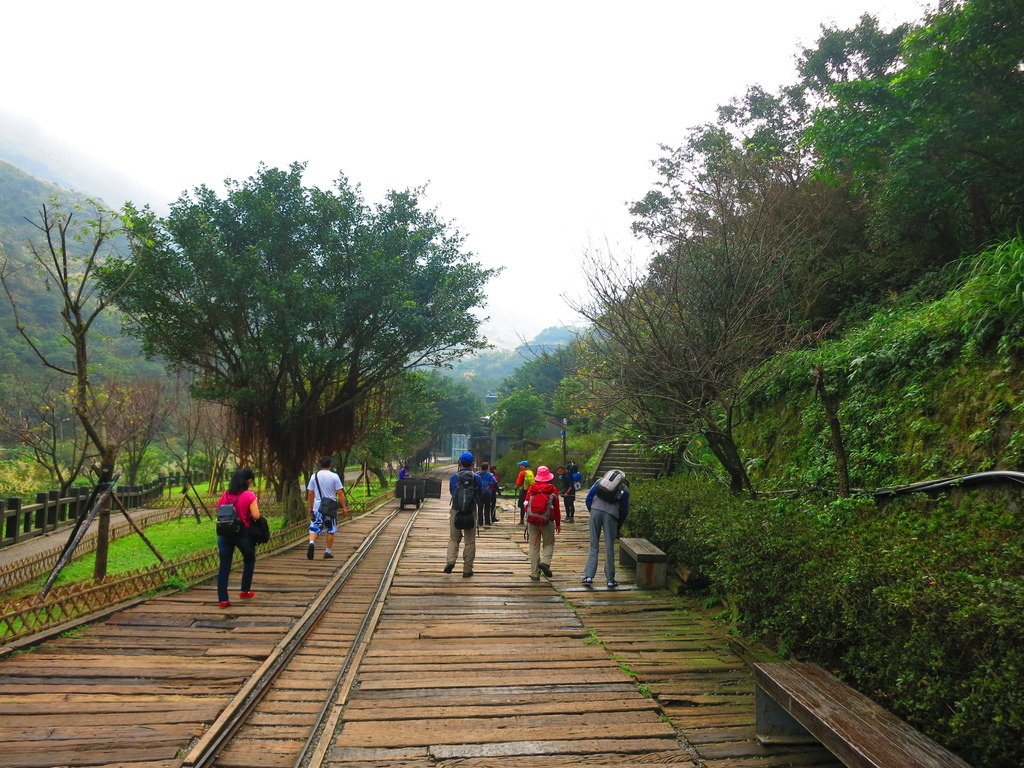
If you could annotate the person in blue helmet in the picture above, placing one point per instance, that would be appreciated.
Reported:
(466, 491)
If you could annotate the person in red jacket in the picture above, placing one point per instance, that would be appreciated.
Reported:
(543, 520)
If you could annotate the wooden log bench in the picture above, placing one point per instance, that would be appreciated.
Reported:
(650, 562)
(800, 703)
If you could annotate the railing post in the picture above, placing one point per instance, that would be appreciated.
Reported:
(5, 522)
(81, 495)
(42, 500)
(14, 509)
(52, 508)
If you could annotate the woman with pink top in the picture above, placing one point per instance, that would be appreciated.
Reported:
(248, 509)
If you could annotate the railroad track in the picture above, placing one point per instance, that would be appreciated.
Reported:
(286, 713)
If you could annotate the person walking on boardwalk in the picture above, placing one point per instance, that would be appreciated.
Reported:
(488, 492)
(568, 482)
(543, 521)
(465, 489)
(608, 503)
(524, 480)
(247, 508)
(325, 495)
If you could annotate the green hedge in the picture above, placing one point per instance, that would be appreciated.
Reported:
(918, 603)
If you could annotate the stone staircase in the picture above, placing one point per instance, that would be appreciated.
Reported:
(619, 454)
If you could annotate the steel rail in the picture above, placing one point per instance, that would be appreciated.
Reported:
(314, 751)
(210, 745)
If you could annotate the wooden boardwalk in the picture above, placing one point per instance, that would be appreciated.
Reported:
(486, 671)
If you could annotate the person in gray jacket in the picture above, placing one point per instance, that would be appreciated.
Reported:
(608, 503)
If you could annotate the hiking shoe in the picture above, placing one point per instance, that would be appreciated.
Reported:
(466, 574)
(309, 551)
(328, 556)
(545, 569)
(246, 595)
(449, 567)
(612, 584)
(534, 578)
(224, 603)
(587, 581)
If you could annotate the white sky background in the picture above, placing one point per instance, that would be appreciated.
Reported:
(533, 122)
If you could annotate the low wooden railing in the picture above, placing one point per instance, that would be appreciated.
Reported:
(20, 521)
(24, 616)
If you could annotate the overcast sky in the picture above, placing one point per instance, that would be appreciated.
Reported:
(533, 122)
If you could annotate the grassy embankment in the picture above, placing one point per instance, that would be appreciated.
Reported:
(918, 602)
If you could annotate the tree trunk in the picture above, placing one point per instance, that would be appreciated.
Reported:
(379, 472)
(106, 476)
(293, 502)
(728, 455)
(831, 405)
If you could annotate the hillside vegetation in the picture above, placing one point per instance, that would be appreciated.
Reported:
(917, 601)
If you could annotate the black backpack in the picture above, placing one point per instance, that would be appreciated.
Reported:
(228, 522)
(464, 499)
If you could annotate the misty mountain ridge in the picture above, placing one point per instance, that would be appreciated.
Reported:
(27, 146)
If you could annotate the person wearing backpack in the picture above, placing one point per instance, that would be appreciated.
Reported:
(247, 509)
(569, 484)
(524, 480)
(608, 503)
(465, 489)
(325, 495)
(543, 521)
(488, 488)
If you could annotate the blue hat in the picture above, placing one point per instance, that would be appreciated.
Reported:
(466, 458)
(524, 463)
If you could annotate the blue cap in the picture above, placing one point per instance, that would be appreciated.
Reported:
(466, 458)
(524, 463)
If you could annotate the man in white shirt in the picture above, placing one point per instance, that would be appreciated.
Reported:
(325, 495)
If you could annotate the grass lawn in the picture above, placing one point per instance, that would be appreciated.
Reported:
(174, 539)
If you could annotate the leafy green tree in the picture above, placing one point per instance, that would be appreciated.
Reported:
(520, 413)
(929, 131)
(292, 303)
(458, 407)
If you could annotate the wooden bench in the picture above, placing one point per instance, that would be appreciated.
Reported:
(650, 562)
(802, 703)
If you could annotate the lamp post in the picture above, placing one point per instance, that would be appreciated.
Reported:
(565, 425)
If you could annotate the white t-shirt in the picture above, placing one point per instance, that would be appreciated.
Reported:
(330, 484)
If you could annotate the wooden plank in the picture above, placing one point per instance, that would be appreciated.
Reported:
(858, 731)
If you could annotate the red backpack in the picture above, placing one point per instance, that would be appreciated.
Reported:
(541, 509)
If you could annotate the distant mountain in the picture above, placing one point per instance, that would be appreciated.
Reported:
(485, 371)
(547, 340)
(27, 146)
(21, 197)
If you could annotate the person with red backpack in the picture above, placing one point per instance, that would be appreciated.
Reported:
(543, 521)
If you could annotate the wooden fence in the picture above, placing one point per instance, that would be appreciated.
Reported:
(27, 568)
(20, 521)
(24, 617)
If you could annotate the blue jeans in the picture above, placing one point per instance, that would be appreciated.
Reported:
(226, 548)
(602, 521)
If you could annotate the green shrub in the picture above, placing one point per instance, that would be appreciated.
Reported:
(918, 603)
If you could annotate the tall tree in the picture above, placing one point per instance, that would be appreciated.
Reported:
(675, 348)
(291, 303)
(930, 131)
(520, 413)
(70, 251)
